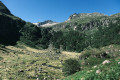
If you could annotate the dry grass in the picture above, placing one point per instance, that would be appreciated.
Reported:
(29, 59)
(71, 54)
(36, 50)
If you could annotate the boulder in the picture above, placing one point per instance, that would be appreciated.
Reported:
(98, 71)
(106, 62)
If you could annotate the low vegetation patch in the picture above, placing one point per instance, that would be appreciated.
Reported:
(70, 66)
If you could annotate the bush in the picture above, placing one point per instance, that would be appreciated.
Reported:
(0, 78)
(2, 46)
(71, 66)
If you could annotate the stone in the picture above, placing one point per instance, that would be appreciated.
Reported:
(98, 71)
(45, 79)
(37, 79)
(94, 66)
(106, 62)
(107, 52)
(118, 62)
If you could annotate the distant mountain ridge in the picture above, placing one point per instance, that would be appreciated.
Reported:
(86, 21)
(46, 23)
(81, 21)
(84, 15)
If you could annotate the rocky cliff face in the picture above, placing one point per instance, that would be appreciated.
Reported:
(103, 22)
(85, 15)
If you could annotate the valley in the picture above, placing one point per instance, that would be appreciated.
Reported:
(84, 47)
(21, 62)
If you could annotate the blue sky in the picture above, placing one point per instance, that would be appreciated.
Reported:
(59, 10)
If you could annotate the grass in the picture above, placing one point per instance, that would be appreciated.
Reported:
(20, 62)
(108, 71)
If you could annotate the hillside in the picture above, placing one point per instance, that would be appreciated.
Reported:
(13, 29)
(9, 27)
(97, 32)
(4, 9)
(86, 21)
(97, 66)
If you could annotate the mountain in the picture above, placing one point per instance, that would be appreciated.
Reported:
(92, 39)
(14, 29)
(79, 26)
(85, 15)
(9, 26)
(81, 32)
(46, 23)
(4, 9)
(86, 22)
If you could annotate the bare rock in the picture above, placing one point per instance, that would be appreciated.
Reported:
(98, 71)
(106, 62)
(37, 79)
(94, 66)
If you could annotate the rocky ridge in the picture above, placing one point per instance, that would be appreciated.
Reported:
(46, 23)
(4, 9)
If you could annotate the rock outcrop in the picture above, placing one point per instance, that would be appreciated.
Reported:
(98, 71)
(84, 15)
(106, 62)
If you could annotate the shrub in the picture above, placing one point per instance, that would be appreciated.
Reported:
(0, 78)
(2, 46)
(70, 66)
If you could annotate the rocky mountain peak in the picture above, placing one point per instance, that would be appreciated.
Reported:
(75, 15)
(84, 15)
(46, 23)
(4, 9)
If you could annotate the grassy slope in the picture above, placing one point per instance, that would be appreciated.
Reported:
(108, 71)
(86, 20)
(21, 57)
